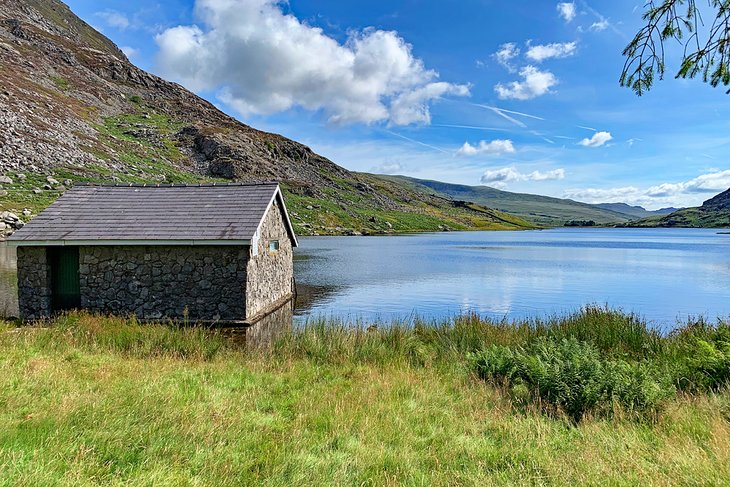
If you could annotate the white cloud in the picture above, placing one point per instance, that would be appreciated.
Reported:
(510, 174)
(391, 167)
(115, 19)
(706, 183)
(534, 83)
(412, 106)
(507, 52)
(541, 52)
(566, 10)
(260, 60)
(129, 51)
(497, 146)
(597, 140)
(687, 193)
(602, 24)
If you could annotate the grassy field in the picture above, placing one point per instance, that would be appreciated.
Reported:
(90, 400)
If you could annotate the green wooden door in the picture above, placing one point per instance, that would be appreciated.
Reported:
(65, 278)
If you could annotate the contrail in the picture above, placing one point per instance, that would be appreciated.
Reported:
(418, 142)
(468, 127)
(522, 114)
(587, 128)
(505, 116)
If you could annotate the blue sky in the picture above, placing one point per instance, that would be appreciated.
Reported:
(522, 96)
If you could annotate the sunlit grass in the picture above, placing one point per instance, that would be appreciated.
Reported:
(88, 400)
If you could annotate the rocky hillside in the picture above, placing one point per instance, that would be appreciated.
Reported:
(73, 108)
(714, 213)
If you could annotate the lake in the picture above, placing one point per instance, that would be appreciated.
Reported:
(662, 274)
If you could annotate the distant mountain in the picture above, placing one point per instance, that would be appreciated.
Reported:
(541, 210)
(714, 213)
(635, 211)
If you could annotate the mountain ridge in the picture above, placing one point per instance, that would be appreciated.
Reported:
(541, 210)
(636, 211)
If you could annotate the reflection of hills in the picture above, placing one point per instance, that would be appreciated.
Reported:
(8, 283)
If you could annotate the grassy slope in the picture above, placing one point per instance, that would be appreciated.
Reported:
(156, 158)
(688, 217)
(104, 401)
(541, 210)
(633, 211)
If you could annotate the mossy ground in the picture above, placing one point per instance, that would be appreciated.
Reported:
(104, 401)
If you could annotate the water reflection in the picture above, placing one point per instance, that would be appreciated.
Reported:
(265, 332)
(8, 282)
(662, 274)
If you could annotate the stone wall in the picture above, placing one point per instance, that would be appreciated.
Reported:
(270, 274)
(34, 283)
(155, 282)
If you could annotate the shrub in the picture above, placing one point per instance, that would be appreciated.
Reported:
(136, 99)
(701, 361)
(572, 377)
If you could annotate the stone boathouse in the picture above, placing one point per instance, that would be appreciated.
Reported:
(208, 252)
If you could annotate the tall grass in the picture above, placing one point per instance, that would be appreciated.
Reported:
(610, 331)
(89, 400)
(124, 335)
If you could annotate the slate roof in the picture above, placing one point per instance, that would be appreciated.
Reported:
(191, 214)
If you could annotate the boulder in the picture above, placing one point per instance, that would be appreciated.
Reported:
(5, 180)
(52, 181)
(9, 217)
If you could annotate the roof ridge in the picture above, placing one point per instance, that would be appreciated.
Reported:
(172, 185)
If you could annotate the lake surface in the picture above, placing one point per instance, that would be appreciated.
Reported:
(662, 274)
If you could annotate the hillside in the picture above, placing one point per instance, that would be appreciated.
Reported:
(541, 210)
(714, 213)
(635, 211)
(74, 109)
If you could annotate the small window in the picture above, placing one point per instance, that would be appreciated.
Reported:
(273, 246)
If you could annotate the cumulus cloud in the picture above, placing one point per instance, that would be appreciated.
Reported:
(497, 146)
(260, 60)
(686, 193)
(412, 106)
(510, 174)
(506, 53)
(542, 52)
(597, 140)
(566, 10)
(706, 183)
(115, 19)
(535, 82)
